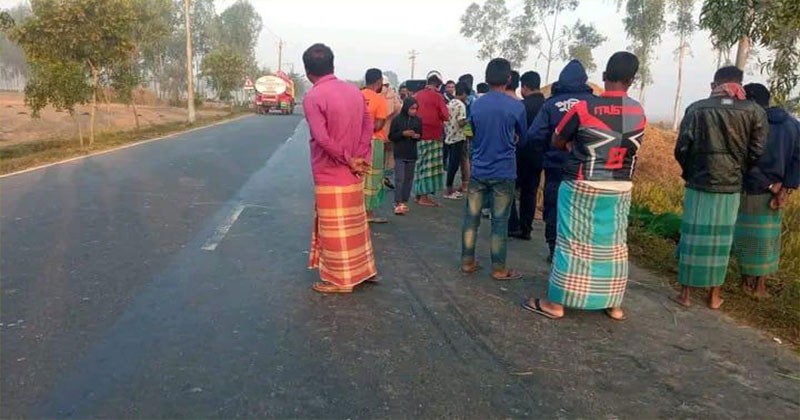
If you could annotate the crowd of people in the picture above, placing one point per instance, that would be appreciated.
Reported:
(740, 160)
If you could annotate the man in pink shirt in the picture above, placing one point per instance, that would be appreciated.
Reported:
(341, 135)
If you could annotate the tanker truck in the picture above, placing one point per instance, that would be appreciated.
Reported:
(274, 92)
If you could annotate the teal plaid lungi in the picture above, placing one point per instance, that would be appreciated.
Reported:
(374, 193)
(706, 237)
(757, 238)
(429, 172)
(590, 264)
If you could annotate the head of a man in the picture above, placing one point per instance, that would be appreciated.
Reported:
(482, 88)
(404, 93)
(461, 91)
(620, 71)
(373, 80)
(450, 87)
(498, 73)
(468, 79)
(318, 62)
(513, 83)
(531, 83)
(758, 93)
(727, 74)
(434, 79)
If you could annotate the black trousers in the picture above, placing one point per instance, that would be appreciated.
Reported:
(552, 181)
(529, 174)
(454, 154)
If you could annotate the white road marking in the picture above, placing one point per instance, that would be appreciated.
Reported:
(222, 230)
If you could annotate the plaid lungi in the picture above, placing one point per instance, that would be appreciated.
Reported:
(340, 243)
(429, 173)
(590, 264)
(706, 237)
(757, 238)
(374, 192)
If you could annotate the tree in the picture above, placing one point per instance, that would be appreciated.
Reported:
(773, 25)
(238, 27)
(551, 9)
(225, 70)
(683, 26)
(93, 35)
(60, 84)
(578, 42)
(13, 65)
(644, 24)
(498, 33)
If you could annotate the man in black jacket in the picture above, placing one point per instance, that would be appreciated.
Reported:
(720, 139)
(529, 163)
(767, 186)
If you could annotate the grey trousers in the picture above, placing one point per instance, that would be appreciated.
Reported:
(403, 179)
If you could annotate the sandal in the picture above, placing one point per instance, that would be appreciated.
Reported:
(608, 312)
(474, 268)
(378, 220)
(537, 309)
(323, 287)
(509, 275)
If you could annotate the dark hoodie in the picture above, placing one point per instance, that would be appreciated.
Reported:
(405, 148)
(570, 89)
(781, 159)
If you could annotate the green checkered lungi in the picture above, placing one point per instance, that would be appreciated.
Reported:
(374, 192)
(757, 239)
(429, 173)
(704, 251)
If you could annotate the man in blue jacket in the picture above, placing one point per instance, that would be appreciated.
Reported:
(767, 186)
(570, 89)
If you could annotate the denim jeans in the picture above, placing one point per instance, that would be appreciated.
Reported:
(552, 182)
(500, 192)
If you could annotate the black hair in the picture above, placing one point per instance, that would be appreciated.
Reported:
(450, 82)
(513, 85)
(372, 76)
(482, 88)
(498, 72)
(462, 88)
(434, 81)
(468, 79)
(621, 67)
(728, 74)
(758, 93)
(318, 60)
(531, 80)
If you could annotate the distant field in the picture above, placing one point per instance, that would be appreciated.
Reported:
(17, 126)
(659, 187)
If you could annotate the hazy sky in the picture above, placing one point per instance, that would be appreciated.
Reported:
(365, 34)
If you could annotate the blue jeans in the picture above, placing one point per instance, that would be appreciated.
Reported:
(500, 192)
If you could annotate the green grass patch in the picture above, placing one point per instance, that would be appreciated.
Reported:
(22, 156)
(651, 246)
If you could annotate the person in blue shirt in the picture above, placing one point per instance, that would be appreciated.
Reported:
(570, 89)
(498, 123)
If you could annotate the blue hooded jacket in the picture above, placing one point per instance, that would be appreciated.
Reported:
(570, 89)
(781, 159)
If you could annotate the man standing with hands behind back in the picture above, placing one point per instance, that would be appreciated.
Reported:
(341, 131)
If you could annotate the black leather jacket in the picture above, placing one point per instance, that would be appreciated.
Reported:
(720, 139)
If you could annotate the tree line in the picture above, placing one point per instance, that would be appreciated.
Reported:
(770, 26)
(71, 52)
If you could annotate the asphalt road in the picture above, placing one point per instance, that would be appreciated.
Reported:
(168, 281)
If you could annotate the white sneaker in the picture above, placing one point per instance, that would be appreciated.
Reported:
(454, 196)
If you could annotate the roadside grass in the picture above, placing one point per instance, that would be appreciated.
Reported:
(22, 156)
(660, 189)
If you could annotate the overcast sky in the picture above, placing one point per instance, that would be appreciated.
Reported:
(365, 34)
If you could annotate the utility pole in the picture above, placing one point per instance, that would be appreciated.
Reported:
(189, 72)
(280, 53)
(412, 55)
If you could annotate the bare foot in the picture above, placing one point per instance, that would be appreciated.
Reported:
(761, 292)
(748, 285)
(715, 300)
(617, 314)
(683, 298)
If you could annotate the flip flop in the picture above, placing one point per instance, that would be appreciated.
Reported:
(537, 309)
(607, 311)
(427, 203)
(510, 275)
(378, 220)
(323, 287)
(473, 269)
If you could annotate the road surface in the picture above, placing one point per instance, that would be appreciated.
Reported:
(168, 281)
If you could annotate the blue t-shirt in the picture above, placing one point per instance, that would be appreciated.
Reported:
(498, 121)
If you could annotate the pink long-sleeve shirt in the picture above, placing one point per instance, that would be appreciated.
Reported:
(340, 127)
